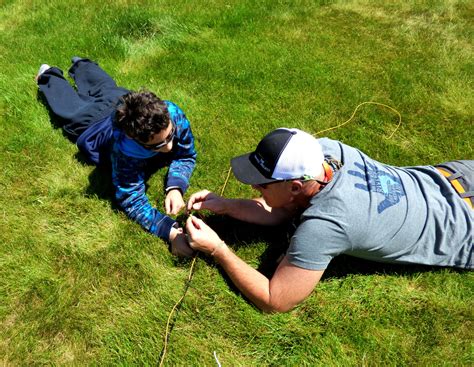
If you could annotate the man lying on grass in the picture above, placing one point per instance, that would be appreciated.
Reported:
(132, 131)
(344, 202)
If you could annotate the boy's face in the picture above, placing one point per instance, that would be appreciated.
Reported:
(162, 141)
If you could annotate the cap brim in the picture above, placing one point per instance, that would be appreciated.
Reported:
(246, 172)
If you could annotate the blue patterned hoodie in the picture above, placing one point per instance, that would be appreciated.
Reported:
(130, 161)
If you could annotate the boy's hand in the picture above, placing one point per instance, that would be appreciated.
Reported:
(174, 202)
(179, 245)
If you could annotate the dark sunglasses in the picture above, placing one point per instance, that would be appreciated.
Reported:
(303, 179)
(265, 185)
(328, 174)
(163, 143)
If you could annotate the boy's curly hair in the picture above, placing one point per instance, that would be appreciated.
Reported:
(142, 115)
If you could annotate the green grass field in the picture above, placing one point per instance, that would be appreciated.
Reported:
(80, 284)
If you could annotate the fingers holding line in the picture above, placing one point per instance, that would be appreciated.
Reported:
(196, 199)
(193, 223)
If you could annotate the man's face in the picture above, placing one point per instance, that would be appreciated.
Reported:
(276, 194)
(162, 141)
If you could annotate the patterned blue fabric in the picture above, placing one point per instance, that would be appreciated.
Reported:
(129, 162)
(95, 141)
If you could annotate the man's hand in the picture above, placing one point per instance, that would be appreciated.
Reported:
(201, 237)
(206, 200)
(179, 245)
(174, 202)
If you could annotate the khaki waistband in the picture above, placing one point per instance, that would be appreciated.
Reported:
(456, 185)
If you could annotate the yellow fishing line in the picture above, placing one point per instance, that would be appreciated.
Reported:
(173, 309)
(190, 275)
(355, 111)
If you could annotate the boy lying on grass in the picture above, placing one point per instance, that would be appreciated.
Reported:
(134, 131)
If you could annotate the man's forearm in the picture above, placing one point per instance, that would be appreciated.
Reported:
(255, 211)
(288, 287)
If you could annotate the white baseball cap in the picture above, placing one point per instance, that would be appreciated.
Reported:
(283, 154)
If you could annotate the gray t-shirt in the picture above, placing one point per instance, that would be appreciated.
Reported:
(383, 213)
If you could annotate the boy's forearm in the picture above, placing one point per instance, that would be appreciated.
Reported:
(150, 218)
(132, 198)
(180, 172)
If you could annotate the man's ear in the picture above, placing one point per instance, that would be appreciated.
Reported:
(296, 187)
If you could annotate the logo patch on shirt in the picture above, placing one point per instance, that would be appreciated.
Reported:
(380, 182)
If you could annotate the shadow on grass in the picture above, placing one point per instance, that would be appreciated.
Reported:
(239, 235)
(343, 266)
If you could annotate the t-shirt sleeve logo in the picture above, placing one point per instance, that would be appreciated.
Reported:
(380, 182)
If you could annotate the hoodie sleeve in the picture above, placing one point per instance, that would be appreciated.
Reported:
(128, 178)
(184, 160)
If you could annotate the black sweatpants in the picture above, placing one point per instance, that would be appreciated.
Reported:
(96, 95)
